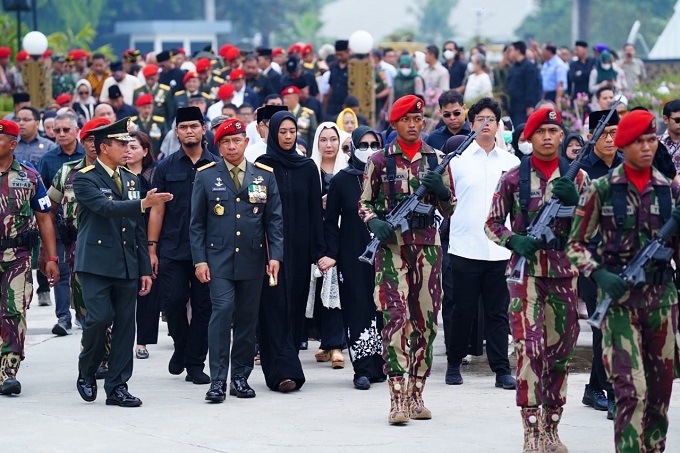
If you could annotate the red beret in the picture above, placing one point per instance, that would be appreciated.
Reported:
(144, 99)
(232, 54)
(229, 127)
(47, 53)
(224, 49)
(226, 91)
(277, 51)
(92, 124)
(544, 115)
(203, 64)
(290, 90)
(8, 127)
(62, 99)
(294, 48)
(307, 49)
(189, 75)
(77, 54)
(150, 70)
(5, 52)
(131, 55)
(181, 50)
(237, 74)
(633, 125)
(22, 55)
(406, 104)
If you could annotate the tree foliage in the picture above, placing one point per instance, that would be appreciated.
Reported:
(433, 20)
(609, 21)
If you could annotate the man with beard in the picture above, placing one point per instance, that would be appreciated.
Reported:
(169, 226)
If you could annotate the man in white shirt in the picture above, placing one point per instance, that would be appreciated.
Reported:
(125, 82)
(478, 265)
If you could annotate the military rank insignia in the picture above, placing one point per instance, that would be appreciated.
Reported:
(257, 193)
(133, 193)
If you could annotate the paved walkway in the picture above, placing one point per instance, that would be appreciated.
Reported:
(327, 415)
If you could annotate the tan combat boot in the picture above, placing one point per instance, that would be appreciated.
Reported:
(398, 413)
(532, 433)
(550, 439)
(416, 405)
(9, 367)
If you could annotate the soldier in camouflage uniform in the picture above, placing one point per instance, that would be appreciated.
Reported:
(408, 266)
(63, 199)
(152, 125)
(22, 193)
(639, 350)
(543, 307)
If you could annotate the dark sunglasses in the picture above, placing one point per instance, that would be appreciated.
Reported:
(65, 130)
(676, 119)
(363, 146)
(83, 92)
(448, 114)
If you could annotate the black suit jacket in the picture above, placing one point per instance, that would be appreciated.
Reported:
(111, 230)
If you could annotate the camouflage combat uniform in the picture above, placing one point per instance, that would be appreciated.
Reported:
(61, 193)
(543, 308)
(639, 350)
(408, 267)
(21, 192)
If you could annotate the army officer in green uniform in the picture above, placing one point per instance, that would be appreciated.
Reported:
(236, 235)
(111, 260)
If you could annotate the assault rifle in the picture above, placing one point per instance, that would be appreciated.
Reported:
(634, 272)
(399, 217)
(540, 227)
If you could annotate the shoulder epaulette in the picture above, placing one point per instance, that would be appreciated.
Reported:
(206, 95)
(133, 118)
(159, 119)
(86, 169)
(264, 167)
(128, 170)
(180, 92)
(308, 110)
(206, 166)
(139, 87)
(163, 86)
(218, 79)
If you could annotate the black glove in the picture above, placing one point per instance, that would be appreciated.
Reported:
(435, 184)
(382, 230)
(526, 246)
(565, 190)
(610, 283)
(676, 213)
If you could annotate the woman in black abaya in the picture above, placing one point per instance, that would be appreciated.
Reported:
(282, 307)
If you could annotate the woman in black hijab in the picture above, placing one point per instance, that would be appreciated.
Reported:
(344, 244)
(571, 145)
(282, 307)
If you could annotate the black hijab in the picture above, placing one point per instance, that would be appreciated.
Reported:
(276, 155)
(355, 166)
(453, 143)
(565, 144)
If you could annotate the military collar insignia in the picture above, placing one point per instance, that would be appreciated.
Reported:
(258, 180)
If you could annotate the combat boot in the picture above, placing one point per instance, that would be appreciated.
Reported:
(550, 439)
(398, 413)
(9, 367)
(416, 405)
(532, 430)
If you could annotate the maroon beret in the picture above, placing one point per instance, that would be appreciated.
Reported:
(229, 127)
(633, 125)
(541, 116)
(8, 127)
(404, 105)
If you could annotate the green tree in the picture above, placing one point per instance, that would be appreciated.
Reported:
(433, 20)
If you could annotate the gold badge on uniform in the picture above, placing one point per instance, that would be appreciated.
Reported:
(218, 209)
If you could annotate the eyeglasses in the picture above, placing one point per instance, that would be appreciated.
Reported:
(448, 114)
(481, 119)
(65, 130)
(363, 146)
(676, 119)
(611, 134)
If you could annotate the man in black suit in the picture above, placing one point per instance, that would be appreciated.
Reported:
(236, 222)
(111, 260)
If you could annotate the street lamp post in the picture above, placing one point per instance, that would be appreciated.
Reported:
(360, 73)
(36, 74)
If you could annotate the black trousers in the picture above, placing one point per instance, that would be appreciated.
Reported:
(472, 279)
(108, 300)
(148, 311)
(179, 285)
(598, 377)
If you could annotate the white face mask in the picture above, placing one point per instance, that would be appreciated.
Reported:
(606, 67)
(405, 71)
(471, 67)
(525, 148)
(448, 54)
(363, 155)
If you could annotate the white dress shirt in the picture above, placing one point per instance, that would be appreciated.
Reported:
(475, 177)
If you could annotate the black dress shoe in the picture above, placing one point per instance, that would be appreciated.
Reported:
(216, 394)
(362, 383)
(506, 382)
(240, 389)
(176, 365)
(102, 372)
(453, 376)
(595, 399)
(121, 397)
(87, 388)
(286, 385)
(198, 377)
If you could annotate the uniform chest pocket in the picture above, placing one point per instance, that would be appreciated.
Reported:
(218, 204)
(19, 202)
(102, 241)
(176, 179)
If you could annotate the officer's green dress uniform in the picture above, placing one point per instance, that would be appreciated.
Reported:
(163, 105)
(155, 127)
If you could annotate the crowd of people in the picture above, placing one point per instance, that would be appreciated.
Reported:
(243, 187)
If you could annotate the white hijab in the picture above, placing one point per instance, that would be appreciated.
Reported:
(340, 158)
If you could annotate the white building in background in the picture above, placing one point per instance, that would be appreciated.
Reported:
(667, 45)
(496, 20)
